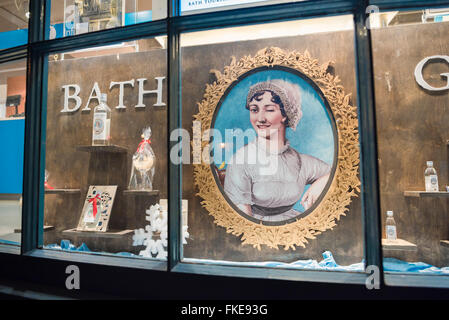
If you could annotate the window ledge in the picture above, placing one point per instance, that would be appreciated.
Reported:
(272, 273)
(417, 280)
(11, 249)
(93, 258)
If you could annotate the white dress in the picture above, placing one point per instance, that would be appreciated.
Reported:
(271, 182)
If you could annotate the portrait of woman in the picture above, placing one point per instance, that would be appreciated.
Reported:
(268, 179)
(275, 148)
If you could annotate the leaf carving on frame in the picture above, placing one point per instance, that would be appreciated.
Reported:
(345, 183)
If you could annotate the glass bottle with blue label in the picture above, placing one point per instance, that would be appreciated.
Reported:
(431, 178)
(390, 227)
(101, 123)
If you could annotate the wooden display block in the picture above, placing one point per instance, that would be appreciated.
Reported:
(46, 228)
(425, 194)
(398, 244)
(444, 243)
(108, 234)
(141, 192)
(61, 191)
(110, 149)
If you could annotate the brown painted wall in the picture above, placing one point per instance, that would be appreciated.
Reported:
(70, 168)
(412, 127)
(411, 123)
(345, 241)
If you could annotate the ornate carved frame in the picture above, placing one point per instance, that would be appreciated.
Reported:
(345, 182)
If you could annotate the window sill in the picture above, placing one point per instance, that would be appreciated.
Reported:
(272, 273)
(93, 258)
(9, 249)
(417, 280)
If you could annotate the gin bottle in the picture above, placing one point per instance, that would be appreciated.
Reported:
(390, 229)
(102, 123)
(430, 177)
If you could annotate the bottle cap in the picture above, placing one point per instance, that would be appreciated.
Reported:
(104, 97)
(390, 213)
(430, 163)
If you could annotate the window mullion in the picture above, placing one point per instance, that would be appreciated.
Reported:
(32, 193)
(174, 170)
(368, 141)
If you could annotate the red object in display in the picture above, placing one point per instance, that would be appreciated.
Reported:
(94, 204)
(46, 185)
(140, 146)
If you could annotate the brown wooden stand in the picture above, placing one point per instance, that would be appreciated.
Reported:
(106, 165)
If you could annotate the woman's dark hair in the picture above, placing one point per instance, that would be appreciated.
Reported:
(274, 98)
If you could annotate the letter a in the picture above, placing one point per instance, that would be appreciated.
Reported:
(72, 281)
(96, 90)
(373, 280)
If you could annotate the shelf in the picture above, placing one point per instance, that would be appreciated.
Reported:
(108, 234)
(62, 191)
(46, 228)
(444, 243)
(110, 148)
(398, 244)
(141, 192)
(425, 194)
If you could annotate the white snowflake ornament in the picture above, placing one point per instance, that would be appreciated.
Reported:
(154, 236)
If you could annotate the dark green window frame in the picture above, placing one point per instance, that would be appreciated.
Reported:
(32, 256)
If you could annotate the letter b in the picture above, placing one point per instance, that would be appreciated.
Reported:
(74, 96)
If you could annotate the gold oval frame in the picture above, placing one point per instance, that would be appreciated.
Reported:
(345, 181)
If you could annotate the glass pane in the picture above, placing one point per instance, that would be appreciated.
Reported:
(12, 129)
(13, 23)
(106, 148)
(72, 17)
(201, 6)
(411, 68)
(275, 110)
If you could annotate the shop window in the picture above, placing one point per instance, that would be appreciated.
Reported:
(270, 146)
(106, 150)
(411, 67)
(13, 23)
(12, 128)
(73, 17)
(201, 6)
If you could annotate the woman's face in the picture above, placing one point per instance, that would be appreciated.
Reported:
(265, 116)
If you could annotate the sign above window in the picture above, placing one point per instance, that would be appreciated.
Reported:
(190, 5)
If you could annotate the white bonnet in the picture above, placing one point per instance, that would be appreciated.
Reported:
(289, 93)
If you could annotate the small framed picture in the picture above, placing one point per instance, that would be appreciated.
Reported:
(97, 209)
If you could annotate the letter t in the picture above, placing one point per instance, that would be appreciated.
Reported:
(121, 86)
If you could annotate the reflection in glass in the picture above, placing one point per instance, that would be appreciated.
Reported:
(412, 132)
(14, 17)
(235, 110)
(92, 207)
(12, 128)
(72, 17)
